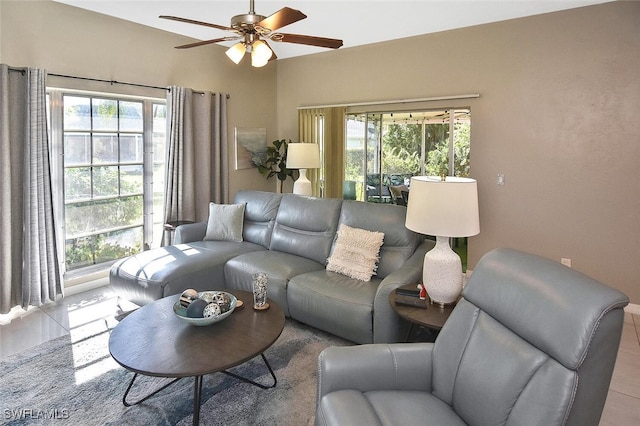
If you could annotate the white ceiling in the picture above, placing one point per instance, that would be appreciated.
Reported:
(357, 22)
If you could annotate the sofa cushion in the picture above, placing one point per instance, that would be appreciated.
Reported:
(306, 226)
(399, 242)
(355, 252)
(225, 222)
(259, 215)
(334, 303)
(280, 267)
(392, 407)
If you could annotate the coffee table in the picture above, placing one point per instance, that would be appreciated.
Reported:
(152, 341)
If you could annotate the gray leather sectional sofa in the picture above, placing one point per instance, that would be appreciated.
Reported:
(289, 237)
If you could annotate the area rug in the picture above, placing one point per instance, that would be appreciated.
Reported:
(74, 380)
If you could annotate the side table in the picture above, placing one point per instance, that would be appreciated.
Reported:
(431, 317)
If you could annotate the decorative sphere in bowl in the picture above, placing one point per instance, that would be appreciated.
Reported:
(215, 315)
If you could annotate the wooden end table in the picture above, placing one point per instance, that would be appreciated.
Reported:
(152, 341)
(432, 316)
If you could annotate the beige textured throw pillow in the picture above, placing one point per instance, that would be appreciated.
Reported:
(356, 253)
(225, 222)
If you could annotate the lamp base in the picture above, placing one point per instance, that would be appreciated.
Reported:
(302, 186)
(442, 273)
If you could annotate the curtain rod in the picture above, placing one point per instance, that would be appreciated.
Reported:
(396, 101)
(106, 81)
(112, 82)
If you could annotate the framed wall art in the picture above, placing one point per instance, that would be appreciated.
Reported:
(251, 146)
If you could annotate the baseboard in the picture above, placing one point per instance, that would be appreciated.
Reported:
(632, 308)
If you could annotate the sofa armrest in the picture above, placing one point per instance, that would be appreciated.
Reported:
(190, 232)
(399, 366)
(388, 327)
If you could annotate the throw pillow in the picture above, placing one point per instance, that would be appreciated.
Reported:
(355, 253)
(225, 222)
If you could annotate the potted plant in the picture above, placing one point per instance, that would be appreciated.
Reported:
(275, 162)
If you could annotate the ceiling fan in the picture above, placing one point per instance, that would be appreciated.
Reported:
(254, 30)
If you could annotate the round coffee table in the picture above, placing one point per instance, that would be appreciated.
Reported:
(154, 342)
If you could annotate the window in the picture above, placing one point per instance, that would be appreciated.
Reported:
(111, 178)
(385, 149)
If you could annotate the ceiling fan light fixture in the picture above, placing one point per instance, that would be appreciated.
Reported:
(260, 53)
(236, 52)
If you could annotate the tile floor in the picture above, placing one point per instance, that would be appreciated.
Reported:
(77, 313)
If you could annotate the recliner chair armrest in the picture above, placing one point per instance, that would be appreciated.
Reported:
(399, 366)
(190, 232)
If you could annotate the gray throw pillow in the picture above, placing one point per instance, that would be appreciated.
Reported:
(225, 222)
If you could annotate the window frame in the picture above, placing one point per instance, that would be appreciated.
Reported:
(151, 226)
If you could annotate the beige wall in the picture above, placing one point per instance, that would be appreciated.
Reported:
(71, 41)
(557, 115)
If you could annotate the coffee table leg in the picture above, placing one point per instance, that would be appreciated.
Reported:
(129, 404)
(197, 394)
(260, 385)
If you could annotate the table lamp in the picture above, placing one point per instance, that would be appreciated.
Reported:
(443, 208)
(303, 156)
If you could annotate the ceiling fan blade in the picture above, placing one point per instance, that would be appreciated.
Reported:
(191, 21)
(202, 43)
(281, 18)
(332, 43)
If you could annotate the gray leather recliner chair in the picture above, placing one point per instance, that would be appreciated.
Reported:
(532, 342)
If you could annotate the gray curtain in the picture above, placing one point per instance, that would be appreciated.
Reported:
(29, 269)
(197, 158)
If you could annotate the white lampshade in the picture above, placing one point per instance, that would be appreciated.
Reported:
(303, 156)
(446, 208)
(260, 53)
(443, 209)
(236, 52)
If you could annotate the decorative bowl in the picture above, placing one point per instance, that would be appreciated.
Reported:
(181, 311)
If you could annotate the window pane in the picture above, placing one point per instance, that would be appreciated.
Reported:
(159, 118)
(79, 219)
(131, 149)
(105, 114)
(401, 153)
(105, 148)
(131, 180)
(131, 116)
(77, 148)
(104, 247)
(77, 113)
(437, 138)
(105, 181)
(130, 211)
(79, 252)
(353, 187)
(119, 244)
(77, 183)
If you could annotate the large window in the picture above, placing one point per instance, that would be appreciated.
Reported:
(112, 175)
(383, 150)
